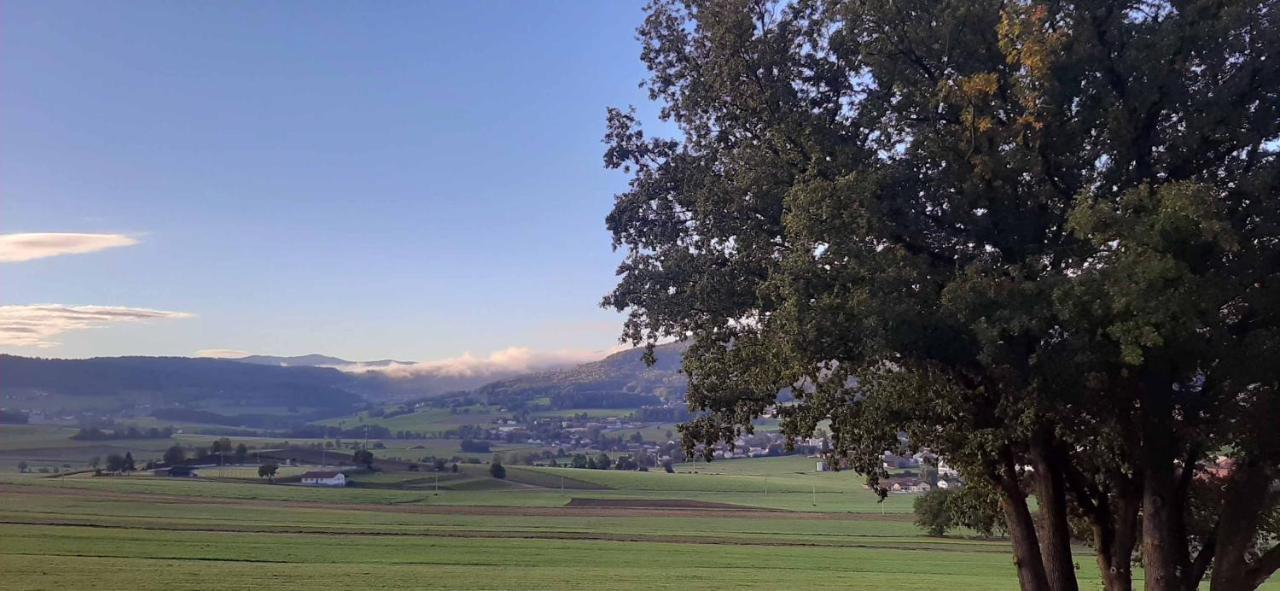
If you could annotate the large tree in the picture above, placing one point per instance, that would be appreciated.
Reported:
(1039, 238)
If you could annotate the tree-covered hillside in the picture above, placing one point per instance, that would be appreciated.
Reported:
(621, 380)
(177, 380)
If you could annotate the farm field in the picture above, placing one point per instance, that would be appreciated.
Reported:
(761, 523)
(632, 531)
(109, 535)
(428, 420)
(51, 446)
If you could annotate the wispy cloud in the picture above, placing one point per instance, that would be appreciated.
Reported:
(15, 248)
(510, 360)
(40, 325)
(222, 353)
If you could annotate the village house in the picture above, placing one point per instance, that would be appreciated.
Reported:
(318, 478)
(906, 485)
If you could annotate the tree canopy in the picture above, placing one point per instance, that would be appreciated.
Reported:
(175, 455)
(1041, 239)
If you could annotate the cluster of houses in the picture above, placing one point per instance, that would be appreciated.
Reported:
(763, 445)
(945, 477)
(911, 484)
(910, 477)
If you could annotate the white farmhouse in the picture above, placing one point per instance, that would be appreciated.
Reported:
(324, 479)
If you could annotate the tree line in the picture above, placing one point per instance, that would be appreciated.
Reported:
(1039, 238)
(96, 434)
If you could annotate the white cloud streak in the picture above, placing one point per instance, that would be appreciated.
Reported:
(511, 360)
(40, 325)
(16, 248)
(222, 353)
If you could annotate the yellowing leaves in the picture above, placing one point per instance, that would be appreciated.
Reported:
(979, 86)
(1029, 40)
(1031, 43)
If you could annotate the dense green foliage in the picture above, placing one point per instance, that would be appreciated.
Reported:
(175, 455)
(941, 510)
(362, 457)
(932, 513)
(1024, 234)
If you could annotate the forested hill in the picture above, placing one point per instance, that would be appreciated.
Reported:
(621, 380)
(315, 360)
(178, 380)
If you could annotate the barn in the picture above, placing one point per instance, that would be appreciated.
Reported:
(324, 479)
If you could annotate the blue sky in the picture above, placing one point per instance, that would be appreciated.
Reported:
(395, 179)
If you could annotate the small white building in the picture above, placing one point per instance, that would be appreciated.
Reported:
(324, 479)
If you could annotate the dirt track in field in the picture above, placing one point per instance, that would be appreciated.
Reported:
(680, 504)
(578, 507)
(718, 540)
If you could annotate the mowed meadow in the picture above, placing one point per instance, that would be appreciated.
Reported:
(106, 534)
(740, 524)
(762, 523)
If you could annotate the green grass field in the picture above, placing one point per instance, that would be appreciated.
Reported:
(708, 526)
(427, 420)
(112, 534)
(49, 446)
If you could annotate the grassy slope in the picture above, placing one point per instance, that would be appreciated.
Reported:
(84, 558)
(48, 445)
(145, 545)
(295, 543)
(425, 420)
(142, 533)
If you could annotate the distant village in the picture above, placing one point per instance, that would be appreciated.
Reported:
(632, 439)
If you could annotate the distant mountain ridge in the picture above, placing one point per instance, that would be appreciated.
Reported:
(178, 380)
(316, 382)
(619, 380)
(315, 360)
(390, 380)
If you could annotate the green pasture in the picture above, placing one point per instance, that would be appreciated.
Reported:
(427, 420)
(637, 531)
(75, 541)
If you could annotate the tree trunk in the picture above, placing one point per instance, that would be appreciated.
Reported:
(1022, 531)
(1243, 501)
(1051, 494)
(1157, 537)
(1115, 535)
(1161, 546)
